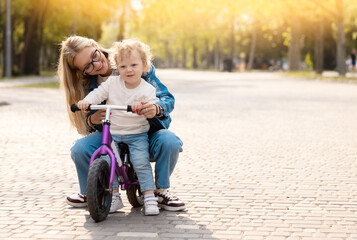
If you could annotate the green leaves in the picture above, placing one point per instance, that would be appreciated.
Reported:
(181, 32)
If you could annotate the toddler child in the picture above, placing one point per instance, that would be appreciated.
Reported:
(132, 59)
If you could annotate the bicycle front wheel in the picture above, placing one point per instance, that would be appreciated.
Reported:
(98, 196)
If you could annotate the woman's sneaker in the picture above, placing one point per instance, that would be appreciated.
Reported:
(116, 204)
(150, 206)
(77, 200)
(168, 201)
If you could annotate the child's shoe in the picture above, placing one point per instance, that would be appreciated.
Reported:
(116, 204)
(150, 205)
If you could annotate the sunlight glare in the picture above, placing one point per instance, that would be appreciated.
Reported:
(136, 4)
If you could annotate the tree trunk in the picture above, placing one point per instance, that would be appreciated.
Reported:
(8, 42)
(33, 39)
(168, 57)
(194, 56)
(341, 39)
(294, 52)
(252, 47)
(122, 23)
(74, 26)
(184, 56)
(208, 54)
(231, 40)
(319, 48)
(217, 56)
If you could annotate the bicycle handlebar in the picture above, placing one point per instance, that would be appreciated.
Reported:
(127, 108)
(74, 108)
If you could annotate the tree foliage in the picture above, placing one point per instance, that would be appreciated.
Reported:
(189, 33)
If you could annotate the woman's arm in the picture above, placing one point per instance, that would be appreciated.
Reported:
(166, 99)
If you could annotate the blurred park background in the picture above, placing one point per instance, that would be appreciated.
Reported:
(222, 35)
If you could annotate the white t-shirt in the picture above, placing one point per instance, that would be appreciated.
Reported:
(116, 93)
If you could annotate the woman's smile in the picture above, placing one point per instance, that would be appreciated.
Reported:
(101, 66)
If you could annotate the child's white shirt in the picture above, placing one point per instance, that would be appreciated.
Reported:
(116, 93)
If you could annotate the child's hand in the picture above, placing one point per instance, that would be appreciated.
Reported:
(83, 105)
(136, 107)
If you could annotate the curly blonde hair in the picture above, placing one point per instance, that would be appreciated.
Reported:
(124, 49)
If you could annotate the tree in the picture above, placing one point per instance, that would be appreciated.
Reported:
(336, 10)
(341, 38)
(33, 38)
(8, 41)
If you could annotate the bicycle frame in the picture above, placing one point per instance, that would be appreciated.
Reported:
(108, 148)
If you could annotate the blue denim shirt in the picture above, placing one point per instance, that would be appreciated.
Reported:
(166, 100)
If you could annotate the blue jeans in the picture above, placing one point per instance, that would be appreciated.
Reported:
(139, 157)
(164, 145)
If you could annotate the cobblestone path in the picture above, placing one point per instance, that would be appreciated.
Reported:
(265, 157)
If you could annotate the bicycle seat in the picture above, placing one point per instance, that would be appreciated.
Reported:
(123, 147)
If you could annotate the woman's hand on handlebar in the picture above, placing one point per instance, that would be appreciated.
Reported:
(97, 117)
(148, 109)
(144, 108)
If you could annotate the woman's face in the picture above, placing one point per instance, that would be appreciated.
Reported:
(91, 61)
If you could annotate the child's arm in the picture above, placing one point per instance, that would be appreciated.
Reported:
(99, 94)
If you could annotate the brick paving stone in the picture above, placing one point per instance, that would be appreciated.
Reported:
(21, 235)
(137, 234)
(264, 157)
(83, 237)
(187, 226)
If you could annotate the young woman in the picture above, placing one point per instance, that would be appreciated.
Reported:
(83, 65)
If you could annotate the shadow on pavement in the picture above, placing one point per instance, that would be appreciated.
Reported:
(134, 225)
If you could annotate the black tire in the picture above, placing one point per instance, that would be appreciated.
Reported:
(98, 196)
(133, 192)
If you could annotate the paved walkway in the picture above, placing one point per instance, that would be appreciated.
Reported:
(264, 158)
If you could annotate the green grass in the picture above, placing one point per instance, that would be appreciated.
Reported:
(314, 75)
(303, 74)
(48, 73)
(37, 85)
(42, 85)
(42, 74)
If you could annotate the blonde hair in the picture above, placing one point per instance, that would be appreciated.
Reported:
(72, 80)
(124, 49)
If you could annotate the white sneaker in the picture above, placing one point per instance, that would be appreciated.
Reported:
(150, 206)
(116, 204)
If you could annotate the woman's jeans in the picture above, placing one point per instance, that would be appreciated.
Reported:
(164, 147)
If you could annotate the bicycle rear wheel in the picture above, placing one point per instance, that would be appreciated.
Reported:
(133, 191)
(98, 196)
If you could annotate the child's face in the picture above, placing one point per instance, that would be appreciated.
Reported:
(131, 68)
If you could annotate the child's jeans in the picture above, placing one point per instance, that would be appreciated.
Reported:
(139, 157)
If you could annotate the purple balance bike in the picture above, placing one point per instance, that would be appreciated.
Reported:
(101, 175)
